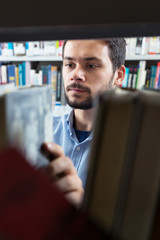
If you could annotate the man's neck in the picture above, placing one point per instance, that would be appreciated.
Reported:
(83, 119)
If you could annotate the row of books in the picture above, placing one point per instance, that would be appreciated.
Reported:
(138, 76)
(143, 45)
(22, 74)
(32, 48)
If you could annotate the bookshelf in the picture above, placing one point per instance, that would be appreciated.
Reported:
(33, 63)
(142, 62)
(141, 54)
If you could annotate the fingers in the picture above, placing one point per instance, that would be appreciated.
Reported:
(62, 173)
(51, 150)
(69, 183)
(71, 187)
(75, 198)
(62, 164)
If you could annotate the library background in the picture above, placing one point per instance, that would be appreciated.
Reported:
(40, 62)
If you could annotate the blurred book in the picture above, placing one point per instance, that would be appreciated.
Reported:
(26, 121)
(122, 191)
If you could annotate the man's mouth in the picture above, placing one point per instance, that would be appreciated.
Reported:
(77, 88)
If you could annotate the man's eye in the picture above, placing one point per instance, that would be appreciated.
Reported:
(91, 66)
(70, 65)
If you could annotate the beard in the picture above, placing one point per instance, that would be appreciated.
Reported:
(89, 102)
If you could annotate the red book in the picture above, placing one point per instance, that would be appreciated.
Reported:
(32, 209)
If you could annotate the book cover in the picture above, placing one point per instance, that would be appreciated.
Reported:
(26, 121)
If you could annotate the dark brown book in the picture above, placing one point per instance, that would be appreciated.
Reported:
(122, 189)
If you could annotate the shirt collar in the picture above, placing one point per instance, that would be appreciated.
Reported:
(69, 121)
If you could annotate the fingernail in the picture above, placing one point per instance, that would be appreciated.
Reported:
(49, 145)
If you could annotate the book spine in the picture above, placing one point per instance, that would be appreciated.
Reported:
(157, 75)
(58, 88)
(11, 77)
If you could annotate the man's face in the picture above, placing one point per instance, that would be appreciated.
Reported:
(87, 72)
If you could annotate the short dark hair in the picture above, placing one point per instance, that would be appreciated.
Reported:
(117, 51)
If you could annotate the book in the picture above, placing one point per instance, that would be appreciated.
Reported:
(21, 75)
(122, 191)
(139, 42)
(27, 69)
(153, 76)
(7, 49)
(145, 45)
(50, 48)
(17, 75)
(156, 82)
(131, 48)
(125, 81)
(26, 120)
(44, 74)
(6, 87)
(158, 45)
(19, 48)
(141, 75)
(152, 45)
(148, 77)
(11, 74)
(34, 209)
(58, 87)
(4, 73)
(54, 70)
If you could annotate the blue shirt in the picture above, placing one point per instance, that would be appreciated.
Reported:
(64, 135)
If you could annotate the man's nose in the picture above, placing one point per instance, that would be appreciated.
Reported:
(78, 74)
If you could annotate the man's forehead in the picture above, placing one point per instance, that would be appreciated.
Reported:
(86, 48)
(85, 42)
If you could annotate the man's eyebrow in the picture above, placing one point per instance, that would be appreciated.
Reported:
(86, 58)
(68, 58)
(92, 58)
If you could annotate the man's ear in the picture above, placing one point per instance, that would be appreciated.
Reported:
(120, 75)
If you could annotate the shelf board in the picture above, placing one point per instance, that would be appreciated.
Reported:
(143, 57)
(59, 58)
(29, 58)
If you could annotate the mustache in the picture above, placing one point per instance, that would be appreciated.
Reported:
(78, 86)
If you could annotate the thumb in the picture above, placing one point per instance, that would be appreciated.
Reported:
(51, 150)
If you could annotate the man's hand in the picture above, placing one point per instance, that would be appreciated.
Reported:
(62, 173)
